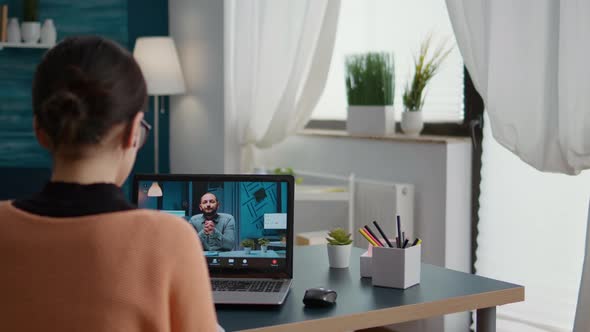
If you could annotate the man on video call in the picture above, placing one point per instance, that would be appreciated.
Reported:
(216, 230)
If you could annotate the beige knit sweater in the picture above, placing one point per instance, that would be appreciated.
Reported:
(129, 271)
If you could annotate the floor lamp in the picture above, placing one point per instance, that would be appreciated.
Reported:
(159, 63)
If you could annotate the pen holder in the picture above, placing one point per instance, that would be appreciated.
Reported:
(395, 267)
(366, 264)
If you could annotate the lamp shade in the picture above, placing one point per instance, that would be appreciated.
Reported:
(159, 63)
(155, 190)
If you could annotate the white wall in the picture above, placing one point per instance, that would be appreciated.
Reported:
(196, 119)
(458, 207)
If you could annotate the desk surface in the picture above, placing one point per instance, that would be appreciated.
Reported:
(360, 305)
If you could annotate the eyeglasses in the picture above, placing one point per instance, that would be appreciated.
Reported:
(144, 132)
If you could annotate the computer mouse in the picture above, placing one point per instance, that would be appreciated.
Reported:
(319, 297)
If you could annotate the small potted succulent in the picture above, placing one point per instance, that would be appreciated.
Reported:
(248, 245)
(263, 243)
(426, 65)
(339, 246)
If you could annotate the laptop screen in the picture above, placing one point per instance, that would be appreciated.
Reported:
(244, 222)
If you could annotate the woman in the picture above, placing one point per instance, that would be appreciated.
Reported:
(77, 256)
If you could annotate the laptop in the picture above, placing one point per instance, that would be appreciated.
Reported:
(244, 222)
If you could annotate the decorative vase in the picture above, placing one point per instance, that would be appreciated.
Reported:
(339, 256)
(30, 31)
(247, 250)
(48, 33)
(412, 123)
(13, 31)
(370, 120)
(264, 248)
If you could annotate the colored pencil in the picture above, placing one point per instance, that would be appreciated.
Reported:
(373, 236)
(382, 234)
(366, 236)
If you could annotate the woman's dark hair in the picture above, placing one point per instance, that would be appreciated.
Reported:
(83, 87)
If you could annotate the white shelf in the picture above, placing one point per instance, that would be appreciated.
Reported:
(24, 45)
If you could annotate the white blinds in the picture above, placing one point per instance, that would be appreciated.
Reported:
(398, 26)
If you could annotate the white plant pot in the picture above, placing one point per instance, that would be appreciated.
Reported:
(247, 250)
(263, 248)
(412, 123)
(30, 31)
(370, 120)
(13, 31)
(339, 256)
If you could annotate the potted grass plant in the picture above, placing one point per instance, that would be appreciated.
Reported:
(248, 245)
(263, 243)
(370, 88)
(426, 64)
(339, 247)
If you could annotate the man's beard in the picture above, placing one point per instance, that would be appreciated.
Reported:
(210, 215)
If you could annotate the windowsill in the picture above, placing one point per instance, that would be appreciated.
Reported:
(398, 137)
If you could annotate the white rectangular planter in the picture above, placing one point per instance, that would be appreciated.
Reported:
(370, 120)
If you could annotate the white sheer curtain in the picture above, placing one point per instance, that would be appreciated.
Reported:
(531, 227)
(528, 60)
(278, 54)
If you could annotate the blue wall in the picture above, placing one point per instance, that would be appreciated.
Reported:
(22, 161)
(176, 197)
(256, 199)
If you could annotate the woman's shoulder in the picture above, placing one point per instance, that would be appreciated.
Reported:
(159, 232)
(118, 218)
(134, 224)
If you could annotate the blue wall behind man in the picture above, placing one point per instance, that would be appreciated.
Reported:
(257, 199)
(24, 166)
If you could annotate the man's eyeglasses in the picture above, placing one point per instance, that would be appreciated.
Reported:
(144, 132)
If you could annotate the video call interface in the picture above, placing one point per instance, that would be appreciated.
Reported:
(241, 225)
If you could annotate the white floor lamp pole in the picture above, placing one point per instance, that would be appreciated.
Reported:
(156, 135)
(155, 189)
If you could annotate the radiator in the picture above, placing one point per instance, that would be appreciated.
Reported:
(382, 201)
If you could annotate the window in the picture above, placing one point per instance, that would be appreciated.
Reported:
(398, 26)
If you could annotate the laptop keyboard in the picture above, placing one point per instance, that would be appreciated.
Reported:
(246, 286)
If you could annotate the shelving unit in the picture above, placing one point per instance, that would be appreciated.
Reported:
(23, 45)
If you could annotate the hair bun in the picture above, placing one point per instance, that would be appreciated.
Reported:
(67, 113)
(84, 87)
